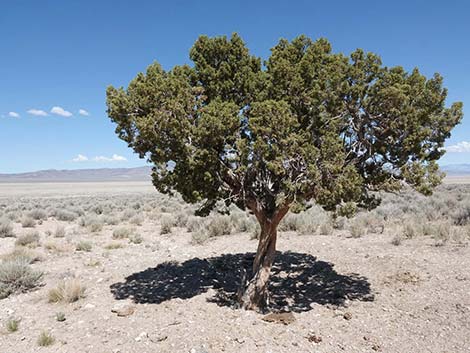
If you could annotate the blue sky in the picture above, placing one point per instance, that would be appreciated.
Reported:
(58, 57)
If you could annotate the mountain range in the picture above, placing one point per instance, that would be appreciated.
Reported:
(77, 175)
(135, 174)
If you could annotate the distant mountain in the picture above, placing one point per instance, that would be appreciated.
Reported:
(77, 175)
(136, 174)
(456, 169)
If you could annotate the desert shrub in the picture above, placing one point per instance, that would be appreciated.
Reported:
(255, 233)
(199, 237)
(326, 229)
(127, 214)
(13, 215)
(289, 223)
(59, 232)
(409, 230)
(30, 239)
(45, 339)
(136, 220)
(397, 239)
(461, 216)
(93, 223)
(57, 247)
(17, 276)
(357, 229)
(111, 220)
(181, 219)
(245, 224)
(12, 324)
(339, 222)
(194, 223)
(428, 228)
(60, 316)
(121, 233)
(6, 229)
(219, 225)
(167, 222)
(22, 254)
(443, 233)
(66, 216)
(113, 246)
(37, 214)
(66, 292)
(136, 239)
(83, 245)
(27, 222)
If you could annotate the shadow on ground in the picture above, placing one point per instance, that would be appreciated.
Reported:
(297, 281)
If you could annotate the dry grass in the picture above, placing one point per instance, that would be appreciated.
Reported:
(113, 246)
(12, 325)
(45, 339)
(66, 292)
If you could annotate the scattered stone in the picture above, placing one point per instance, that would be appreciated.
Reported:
(376, 348)
(158, 338)
(347, 316)
(279, 318)
(123, 309)
(314, 338)
(89, 306)
(141, 336)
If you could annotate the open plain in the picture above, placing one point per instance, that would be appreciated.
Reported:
(117, 267)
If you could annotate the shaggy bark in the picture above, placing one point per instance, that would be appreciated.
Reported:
(254, 293)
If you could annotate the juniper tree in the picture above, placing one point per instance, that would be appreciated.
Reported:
(306, 125)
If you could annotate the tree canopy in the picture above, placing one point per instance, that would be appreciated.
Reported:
(305, 125)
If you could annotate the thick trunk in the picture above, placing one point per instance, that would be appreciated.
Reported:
(254, 295)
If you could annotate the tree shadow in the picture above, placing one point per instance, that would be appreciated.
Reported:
(297, 281)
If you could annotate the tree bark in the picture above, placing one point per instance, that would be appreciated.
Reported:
(254, 292)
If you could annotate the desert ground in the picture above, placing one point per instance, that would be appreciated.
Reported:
(117, 267)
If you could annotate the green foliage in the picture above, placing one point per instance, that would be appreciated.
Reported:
(310, 124)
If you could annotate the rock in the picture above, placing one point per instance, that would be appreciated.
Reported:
(280, 318)
(314, 338)
(347, 316)
(141, 336)
(123, 309)
(89, 306)
(158, 338)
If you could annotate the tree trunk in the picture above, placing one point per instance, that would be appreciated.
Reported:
(254, 293)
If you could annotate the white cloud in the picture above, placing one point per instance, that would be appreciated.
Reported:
(13, 114)
(61, 111)
(114, 158)
(37, 112)
(460, 147)
(83, 112)
(80, 158)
